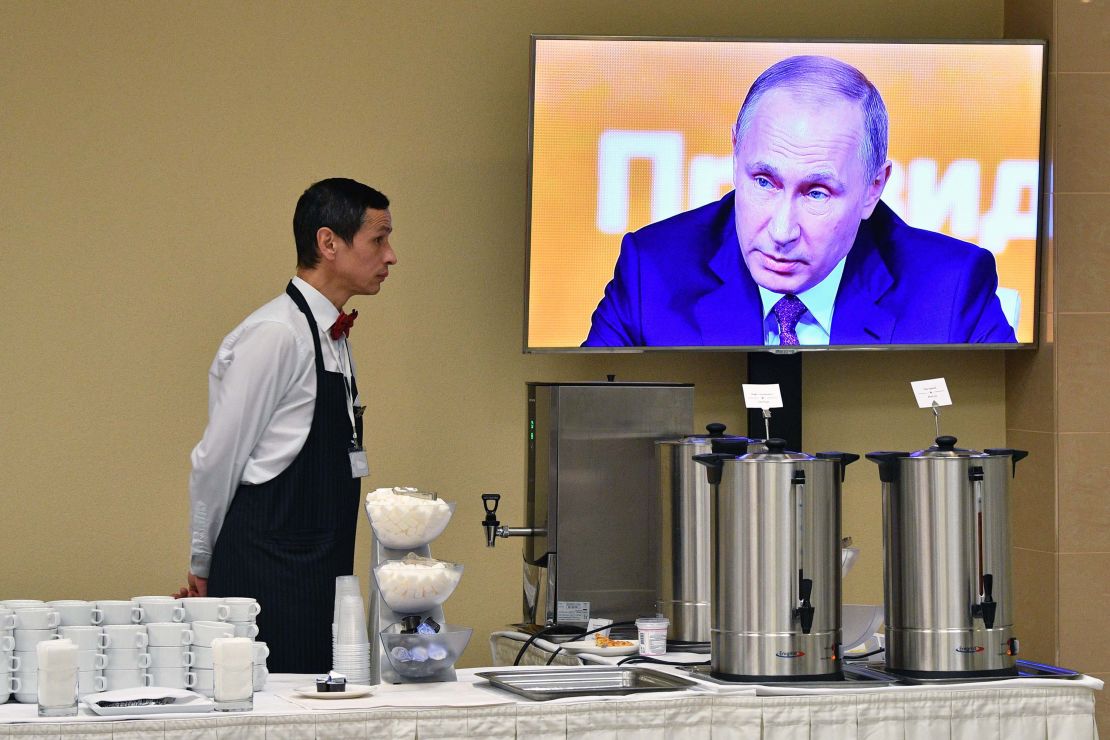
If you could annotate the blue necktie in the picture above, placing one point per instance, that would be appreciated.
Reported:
(788, 310)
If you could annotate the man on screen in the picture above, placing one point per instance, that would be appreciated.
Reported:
(802, 252)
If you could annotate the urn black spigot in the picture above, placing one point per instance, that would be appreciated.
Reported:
(804, 613)
(493, 527)
(491, 522)
(986, 608)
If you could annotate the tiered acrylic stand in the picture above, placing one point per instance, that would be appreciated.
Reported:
(382, 617)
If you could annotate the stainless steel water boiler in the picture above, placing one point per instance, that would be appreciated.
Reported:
(685, 538)
(776, 576)
(947, 581)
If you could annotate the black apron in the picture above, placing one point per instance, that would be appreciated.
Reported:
(285, 541)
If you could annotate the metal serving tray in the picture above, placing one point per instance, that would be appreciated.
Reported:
(1026, 669)
(539, 685)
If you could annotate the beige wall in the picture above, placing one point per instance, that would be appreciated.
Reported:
(1058, 405)
(152, 154)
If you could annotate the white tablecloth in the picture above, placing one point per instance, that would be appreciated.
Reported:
(471, 708)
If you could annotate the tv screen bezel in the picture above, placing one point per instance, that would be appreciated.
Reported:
(1042, 201)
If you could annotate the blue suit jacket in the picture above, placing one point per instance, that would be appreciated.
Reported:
(682, 282)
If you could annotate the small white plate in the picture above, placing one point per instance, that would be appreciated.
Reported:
(589, 646)
(354, 691)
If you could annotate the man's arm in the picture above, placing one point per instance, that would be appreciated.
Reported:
(263, 364)
(977, 314)
(616, 320)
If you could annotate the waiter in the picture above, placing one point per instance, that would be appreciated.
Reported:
(274, 489)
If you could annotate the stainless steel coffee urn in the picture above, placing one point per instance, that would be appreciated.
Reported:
(685, 537)
(776, 575)
(948, 586)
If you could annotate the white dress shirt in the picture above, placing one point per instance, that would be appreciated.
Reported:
(261, 398)
(815, 325)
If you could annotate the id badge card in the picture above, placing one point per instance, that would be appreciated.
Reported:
(359, 467)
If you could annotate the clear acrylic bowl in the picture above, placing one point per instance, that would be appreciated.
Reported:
(447, 644)
(402, 593)
(421, 523)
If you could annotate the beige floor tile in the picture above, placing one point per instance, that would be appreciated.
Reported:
(1033, 492)
(1082, 244)
(1084, 602)
(1081, 132)
(1082, 35)
(1082, 351)
(1031, 389)
(1084, 467)
(1034, 575)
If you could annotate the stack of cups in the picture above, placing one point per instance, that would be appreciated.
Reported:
(203, 633)
(8, 684)
(344, 586)
(170, 656)
(34, 623)
(351, 654)
(90, 661)
(258, 657)
(233, 674)
(154, 609)
(125, 650)
(241, 611)
(57, 678)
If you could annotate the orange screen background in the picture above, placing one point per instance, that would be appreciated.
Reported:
(947, 103)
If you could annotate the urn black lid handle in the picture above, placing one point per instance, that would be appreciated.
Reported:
(946, 442)
(1016, 456)
(715, 428)
(776, 446)
(887, 460)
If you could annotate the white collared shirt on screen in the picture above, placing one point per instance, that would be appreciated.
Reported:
(815, 325)
(261, 397)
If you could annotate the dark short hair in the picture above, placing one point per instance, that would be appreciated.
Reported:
(338, 203)
(819, 78)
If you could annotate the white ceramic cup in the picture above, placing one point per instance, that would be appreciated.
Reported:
(7, 619)
(162, 611)
(203, 681)
(90, 682)
(22, 660)
(172, 677)
(125, 678)
(74, 613)
(27, 639)
(125, 636)
(261, 675)
(205, 632)
(36, 618)
(28, 691)
(261, 652)
(85, 638)
(169, 657)
(91, 660)
(14, 604)
(242, 608)
(119, 612)
(167, 634)
(126, 658)
(245, 629)
(204, 609)
(9, 684)
(202, 657)
(7, 643)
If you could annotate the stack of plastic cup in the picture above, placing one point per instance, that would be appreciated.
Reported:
(351, 653)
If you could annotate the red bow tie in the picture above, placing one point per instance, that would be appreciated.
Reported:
(342, 325)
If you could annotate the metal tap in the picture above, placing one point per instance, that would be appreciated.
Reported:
(493, 526)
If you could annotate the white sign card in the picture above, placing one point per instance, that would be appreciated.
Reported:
(929, 392)
(762, 396)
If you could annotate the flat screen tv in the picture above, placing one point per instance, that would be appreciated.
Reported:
(753, 194)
